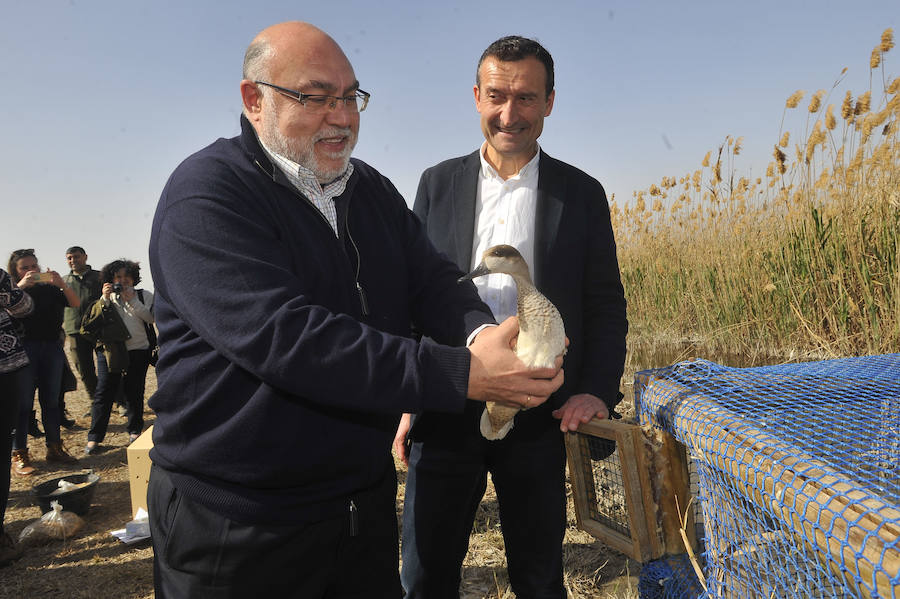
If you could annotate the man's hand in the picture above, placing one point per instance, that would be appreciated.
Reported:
(496, 374)
(401, 443)
(580, 408)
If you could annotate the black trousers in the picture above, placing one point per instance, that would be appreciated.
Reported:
(198, 553)
(134, 383)
(11, 386)
(446, 481)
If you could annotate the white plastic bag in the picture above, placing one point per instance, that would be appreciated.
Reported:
(55, 524)
(65, 486)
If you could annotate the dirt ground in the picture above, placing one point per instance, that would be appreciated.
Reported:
(95, 564)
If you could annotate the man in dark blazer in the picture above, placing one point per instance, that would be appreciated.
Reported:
(558, 217)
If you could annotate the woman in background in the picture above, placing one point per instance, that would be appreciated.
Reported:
(133, 307)
(50, 296)
(14, 303)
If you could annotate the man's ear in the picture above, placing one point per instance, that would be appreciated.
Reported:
(550, 99)
(251, 96)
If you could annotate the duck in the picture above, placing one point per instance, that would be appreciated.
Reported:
(542, 335)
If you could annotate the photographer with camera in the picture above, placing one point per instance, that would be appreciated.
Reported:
(50, 295)
(133, 308)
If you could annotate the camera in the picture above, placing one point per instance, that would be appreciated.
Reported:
(44, 277)
(117, 287)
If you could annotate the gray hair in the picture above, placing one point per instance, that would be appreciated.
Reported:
(256, 60)
(256, 63)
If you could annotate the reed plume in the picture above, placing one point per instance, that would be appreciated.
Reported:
(887, 40)
(816, 101)
(894, 87)
(794, 99)
(847, 107)
(780, 159)
(875, 60)
(830, 121)
(862, 104)
(815, 138)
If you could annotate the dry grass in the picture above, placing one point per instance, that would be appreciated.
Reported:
(803, 258)
(96, 564)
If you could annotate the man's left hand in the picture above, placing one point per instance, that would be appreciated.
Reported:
(401, 439)
(578, 409)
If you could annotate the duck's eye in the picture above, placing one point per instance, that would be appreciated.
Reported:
(503, 252)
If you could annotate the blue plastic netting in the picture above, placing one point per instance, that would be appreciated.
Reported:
(798, 468)
(669, 578)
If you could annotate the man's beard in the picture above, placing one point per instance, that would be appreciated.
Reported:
(302, 151)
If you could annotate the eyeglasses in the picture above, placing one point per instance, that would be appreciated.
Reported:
(22, 254)
(321, 103)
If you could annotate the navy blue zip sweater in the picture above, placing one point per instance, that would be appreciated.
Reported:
(286, 355)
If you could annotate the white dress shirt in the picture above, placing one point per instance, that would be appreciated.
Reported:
(504, 213)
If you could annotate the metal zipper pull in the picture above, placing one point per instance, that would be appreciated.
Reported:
(363, 302)
(354, 519)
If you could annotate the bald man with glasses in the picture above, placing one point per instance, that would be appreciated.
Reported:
(288, 280)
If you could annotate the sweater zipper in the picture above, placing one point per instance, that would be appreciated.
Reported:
(354, 519)
(361, 293)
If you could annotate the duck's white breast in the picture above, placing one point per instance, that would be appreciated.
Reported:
(542, 335)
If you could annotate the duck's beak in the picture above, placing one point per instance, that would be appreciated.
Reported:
(479, 271)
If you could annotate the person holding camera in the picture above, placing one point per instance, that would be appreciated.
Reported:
(50, 295)
(132, 308)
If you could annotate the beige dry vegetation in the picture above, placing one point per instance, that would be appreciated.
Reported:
(802, 261)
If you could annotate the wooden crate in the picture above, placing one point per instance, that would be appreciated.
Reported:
(627, 499)
(138, 454)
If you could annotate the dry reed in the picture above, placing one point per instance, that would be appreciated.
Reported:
(804, 259)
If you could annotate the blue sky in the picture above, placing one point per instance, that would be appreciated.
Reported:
(104, 98)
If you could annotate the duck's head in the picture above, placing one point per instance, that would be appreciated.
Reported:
(500, 258)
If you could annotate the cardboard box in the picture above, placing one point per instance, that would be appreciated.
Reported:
(139, 470)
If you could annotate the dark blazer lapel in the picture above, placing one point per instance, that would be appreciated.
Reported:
(551, 190)
(465, 189)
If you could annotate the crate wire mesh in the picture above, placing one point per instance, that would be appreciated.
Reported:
(798, 468)
(606, 495)
(625, 483)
